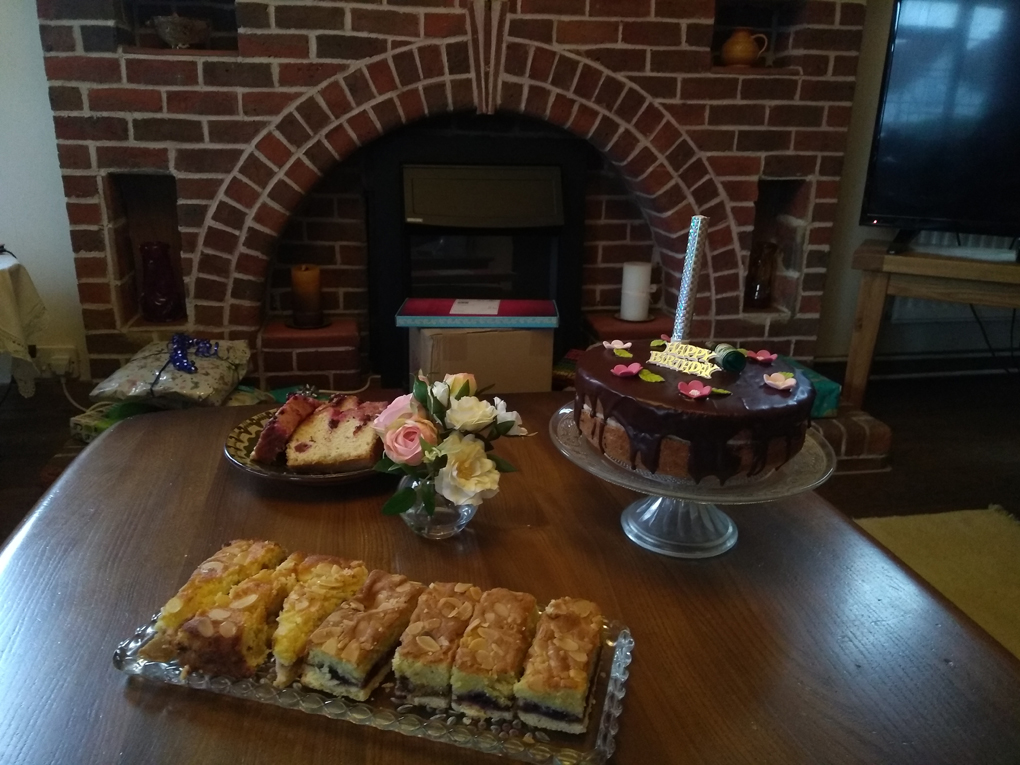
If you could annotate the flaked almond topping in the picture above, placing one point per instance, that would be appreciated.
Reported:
(484, 659)
(205, 627)
(496, 649)
(488, 633)
(443, 641)
(329, 646)
(245, 601)
(173, 605)
(448, 607)
(461, 587)
(301, 605)
(576, 674)
(489, 617)
(212, 567)
(351, 652)
(471, 627)
(579, 656)
(336, 570)
(478, 644)
(357, 605)
(464, 612)
(502, 610)
(475, 593)
(403, 587)
(427, 643)
(228, 629)
(581, 607)
(433, 624)
(414, 628)
(566, 643)
(219, 614)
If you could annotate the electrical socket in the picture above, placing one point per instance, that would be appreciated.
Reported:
(57, 360)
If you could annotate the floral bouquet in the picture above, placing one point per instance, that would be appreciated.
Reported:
(440, 435)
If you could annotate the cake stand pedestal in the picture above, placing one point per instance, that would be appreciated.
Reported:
(682, 518)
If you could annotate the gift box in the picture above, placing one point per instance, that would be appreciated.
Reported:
(827, 392)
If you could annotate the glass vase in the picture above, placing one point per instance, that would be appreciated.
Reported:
(447, 520)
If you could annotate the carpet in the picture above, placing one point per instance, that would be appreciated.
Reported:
(970, 556)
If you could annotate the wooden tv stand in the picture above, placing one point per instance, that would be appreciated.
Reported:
(918, 275)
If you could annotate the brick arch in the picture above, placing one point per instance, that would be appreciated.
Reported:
(665, 172)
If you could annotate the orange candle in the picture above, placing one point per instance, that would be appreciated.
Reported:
(306, 296)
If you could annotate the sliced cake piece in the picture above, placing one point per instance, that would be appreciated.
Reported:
(214, 577)
(348, 655)
(232, 637)
(555, 688)
(336, 439)
(490, 657)
(323, 583)
(281, 426)
(424, 660)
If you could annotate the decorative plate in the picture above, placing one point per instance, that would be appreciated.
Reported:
(508, 739)
(242, 440)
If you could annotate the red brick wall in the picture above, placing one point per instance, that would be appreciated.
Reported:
(248, 134)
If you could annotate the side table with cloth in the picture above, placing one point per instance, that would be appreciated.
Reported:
(22, 315)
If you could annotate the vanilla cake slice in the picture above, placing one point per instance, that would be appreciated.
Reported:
(214, 577)
(323, 583)
(348, 655)
(424, 660)
(554, 690)
(490, 657)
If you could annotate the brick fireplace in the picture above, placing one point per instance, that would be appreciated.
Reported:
(262, 135)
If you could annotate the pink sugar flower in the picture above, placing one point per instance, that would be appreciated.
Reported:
(621, 370)
(615, 345)
(694, 389)
(667, 338)
(762, 356)
(779, 381)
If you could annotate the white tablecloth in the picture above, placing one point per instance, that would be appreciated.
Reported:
(22, 315)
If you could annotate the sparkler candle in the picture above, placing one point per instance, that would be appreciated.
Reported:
(689, 282)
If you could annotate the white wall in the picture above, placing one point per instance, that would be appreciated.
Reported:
(33, 219)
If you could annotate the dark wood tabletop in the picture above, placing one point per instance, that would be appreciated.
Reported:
(806, 643)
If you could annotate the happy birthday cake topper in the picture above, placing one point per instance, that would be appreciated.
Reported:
(689, 359)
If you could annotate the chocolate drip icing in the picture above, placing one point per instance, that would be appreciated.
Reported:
(648, 412)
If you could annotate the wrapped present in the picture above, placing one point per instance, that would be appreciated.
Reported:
(89, 424)
(826, 391)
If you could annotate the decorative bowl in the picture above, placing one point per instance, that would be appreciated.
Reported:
(181, 31)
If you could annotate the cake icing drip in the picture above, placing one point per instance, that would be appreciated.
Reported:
(648, 412)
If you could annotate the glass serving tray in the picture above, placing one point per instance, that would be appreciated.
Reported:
(509, 739)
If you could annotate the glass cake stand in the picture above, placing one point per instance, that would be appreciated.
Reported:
(682, 518)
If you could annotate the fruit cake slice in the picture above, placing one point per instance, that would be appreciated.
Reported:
(491, 654)
(424, 660)
(555, 688)
(324, 582)
(232, 637)
(348, 655)
(214, 577)
(336, 439)
(281, 426)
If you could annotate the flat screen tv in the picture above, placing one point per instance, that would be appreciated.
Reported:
(946, 149)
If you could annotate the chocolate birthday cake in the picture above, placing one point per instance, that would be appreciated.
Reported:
(743, 429)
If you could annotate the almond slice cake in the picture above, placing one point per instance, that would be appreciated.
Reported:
(214, 577)
(491, 654)
(554, 690)
(424, 660)
(323, 583)
(348, 655)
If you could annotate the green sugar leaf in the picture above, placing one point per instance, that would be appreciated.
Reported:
(658, 343)
(649, 376)
(786, 374)
(623, 354)
(721, 391)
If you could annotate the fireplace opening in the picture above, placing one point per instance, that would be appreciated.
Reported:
(473, 206)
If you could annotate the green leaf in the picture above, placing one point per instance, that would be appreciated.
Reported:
(386, 465)
(658, 343)
(421, 392)
(488, 387)
(787, 375)
(721, 391)
(743, 351)
(428, 497)
(649, 376)
(502, 428)
(465, 390)
(623, 353)
(400, 502)
(502, 465)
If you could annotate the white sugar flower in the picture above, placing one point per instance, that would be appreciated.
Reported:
(615, 345)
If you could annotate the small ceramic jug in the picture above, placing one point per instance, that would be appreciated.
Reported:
(742, 49)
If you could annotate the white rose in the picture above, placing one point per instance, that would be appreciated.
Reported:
(469, 476)
(441, 393)
(502, 415)
(470, 414)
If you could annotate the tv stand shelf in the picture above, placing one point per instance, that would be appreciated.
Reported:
(918, 275)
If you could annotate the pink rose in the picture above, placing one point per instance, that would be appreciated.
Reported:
(402, 443)
(403, 407)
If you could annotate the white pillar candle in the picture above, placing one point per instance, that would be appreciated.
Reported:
(637, 279)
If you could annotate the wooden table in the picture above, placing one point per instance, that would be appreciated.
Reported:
(919, 275)
(804, 644)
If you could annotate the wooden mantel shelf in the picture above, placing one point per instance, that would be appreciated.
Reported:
(918, 275)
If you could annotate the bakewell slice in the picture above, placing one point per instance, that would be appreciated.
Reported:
(555, 690)
(336, 439)
(490, 657)
(232, 637)
(323, 583)
(348, 655)
(213, 578)
(281, 426)
(424, 660)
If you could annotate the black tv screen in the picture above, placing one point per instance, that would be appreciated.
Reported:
(946, 151)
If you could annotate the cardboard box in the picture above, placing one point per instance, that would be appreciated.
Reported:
(510, 360)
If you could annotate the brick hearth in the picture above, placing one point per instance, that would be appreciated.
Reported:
(250, 133)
